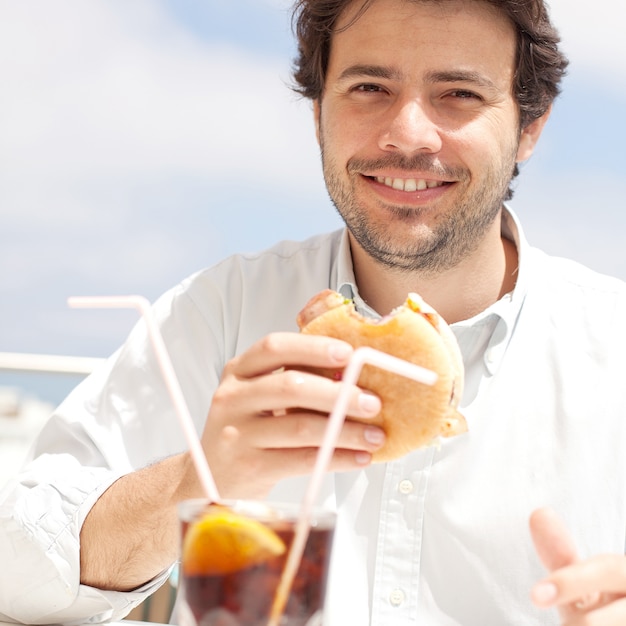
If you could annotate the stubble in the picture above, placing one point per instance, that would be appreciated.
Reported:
(453, 236)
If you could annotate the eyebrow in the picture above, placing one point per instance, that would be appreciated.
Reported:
(443, 76)
(461, 76)
(371, 71)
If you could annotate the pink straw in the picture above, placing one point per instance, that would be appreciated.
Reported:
(180, 406)
(360, 357)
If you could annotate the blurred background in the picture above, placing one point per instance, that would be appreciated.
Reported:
(141, 141)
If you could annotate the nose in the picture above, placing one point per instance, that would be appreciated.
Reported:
(409, 128)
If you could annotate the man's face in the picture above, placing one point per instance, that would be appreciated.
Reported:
(418, 128)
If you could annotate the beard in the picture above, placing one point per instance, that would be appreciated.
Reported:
(429, 249)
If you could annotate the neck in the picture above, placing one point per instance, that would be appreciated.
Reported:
(457, 294)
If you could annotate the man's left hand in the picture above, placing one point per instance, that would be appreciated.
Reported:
(589, 592)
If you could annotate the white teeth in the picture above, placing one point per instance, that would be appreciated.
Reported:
(408, 184)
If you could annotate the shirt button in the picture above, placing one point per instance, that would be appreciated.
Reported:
(396, 597)
(405, 487)
(491, 356)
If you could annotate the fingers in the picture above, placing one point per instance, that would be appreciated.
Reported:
(611, 612)
(288, 389)
(552, 539)
(255, 476)
(586, 592)
(303, 430)
(585, 584)
(291, 349)
(247, 462)
(256, 453)
(556, 550)
(268, 419)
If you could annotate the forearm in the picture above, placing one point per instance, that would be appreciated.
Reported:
(131, 533)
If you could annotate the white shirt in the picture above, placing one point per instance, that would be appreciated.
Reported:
(438, 537)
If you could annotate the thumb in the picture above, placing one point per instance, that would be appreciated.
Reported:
(552, 540)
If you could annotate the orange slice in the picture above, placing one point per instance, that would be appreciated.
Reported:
(222, 542)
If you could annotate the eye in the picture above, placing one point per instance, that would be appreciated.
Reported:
(367, 88)
(464, 94)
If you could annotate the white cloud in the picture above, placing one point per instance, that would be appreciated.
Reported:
(593, 38)
(126, 145)
(581, 222)
(99, 92)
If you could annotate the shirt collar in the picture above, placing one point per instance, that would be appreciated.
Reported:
(346, 282)
(501, 316)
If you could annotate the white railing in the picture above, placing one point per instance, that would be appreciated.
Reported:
(47, 363)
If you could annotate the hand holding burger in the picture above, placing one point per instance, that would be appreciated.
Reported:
(413, 415)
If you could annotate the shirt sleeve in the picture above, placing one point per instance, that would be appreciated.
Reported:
(40, 519)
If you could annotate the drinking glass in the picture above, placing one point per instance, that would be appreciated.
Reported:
(244, 595)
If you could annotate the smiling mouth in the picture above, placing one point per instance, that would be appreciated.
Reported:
(408, 184)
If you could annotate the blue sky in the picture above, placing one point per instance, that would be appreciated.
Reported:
(143, 140)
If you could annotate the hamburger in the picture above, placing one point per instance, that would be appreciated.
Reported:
(413, 415)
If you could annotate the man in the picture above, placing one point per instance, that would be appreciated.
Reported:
(423, 109)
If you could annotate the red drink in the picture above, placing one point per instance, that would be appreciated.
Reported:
(244, 597)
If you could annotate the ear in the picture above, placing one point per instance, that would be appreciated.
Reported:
(317, 112)
(530, 136)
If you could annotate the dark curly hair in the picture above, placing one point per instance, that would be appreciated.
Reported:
(540, 65)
